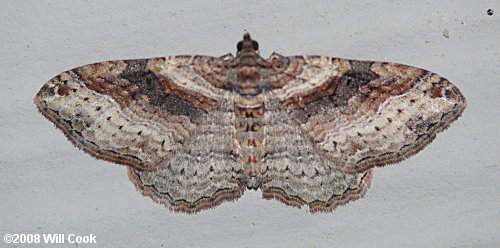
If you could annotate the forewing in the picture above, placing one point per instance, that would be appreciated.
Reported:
(361, 114)
(131, 112)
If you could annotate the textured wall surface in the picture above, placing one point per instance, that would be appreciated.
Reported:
(445, 196)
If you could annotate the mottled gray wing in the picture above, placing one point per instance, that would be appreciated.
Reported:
(297, 174)
(151, 114)
(203, 173)
(361, 114)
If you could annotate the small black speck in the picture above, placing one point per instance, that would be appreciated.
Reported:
(360, 135)
(120, 127)
(74, 90)
(182, 171)
(489, 12)
(400, 111)
(412, 101)
(211, 169)
(109, 118)
(86, 99)
(163, 143)
(377, 128)
(98, 108)
(139, 133)
(389, 120)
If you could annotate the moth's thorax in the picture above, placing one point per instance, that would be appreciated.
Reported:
(248, 74)
(250, 58)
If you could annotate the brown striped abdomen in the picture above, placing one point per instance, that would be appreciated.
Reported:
(249, 112)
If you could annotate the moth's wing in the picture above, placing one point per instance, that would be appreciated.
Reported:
(361, 114)
(296, 174)
(203, 173)
(163, 117)
(131, 112)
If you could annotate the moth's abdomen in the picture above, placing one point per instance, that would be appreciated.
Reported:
(249, 114)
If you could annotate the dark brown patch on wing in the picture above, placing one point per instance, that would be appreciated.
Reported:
(341, 89)
(349, 84)
(63, 90)
(130, 83)
(370, 82)
(150, 85)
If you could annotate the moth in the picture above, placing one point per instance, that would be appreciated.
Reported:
(195, 131)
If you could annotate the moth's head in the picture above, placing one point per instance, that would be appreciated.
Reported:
(247, 45)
